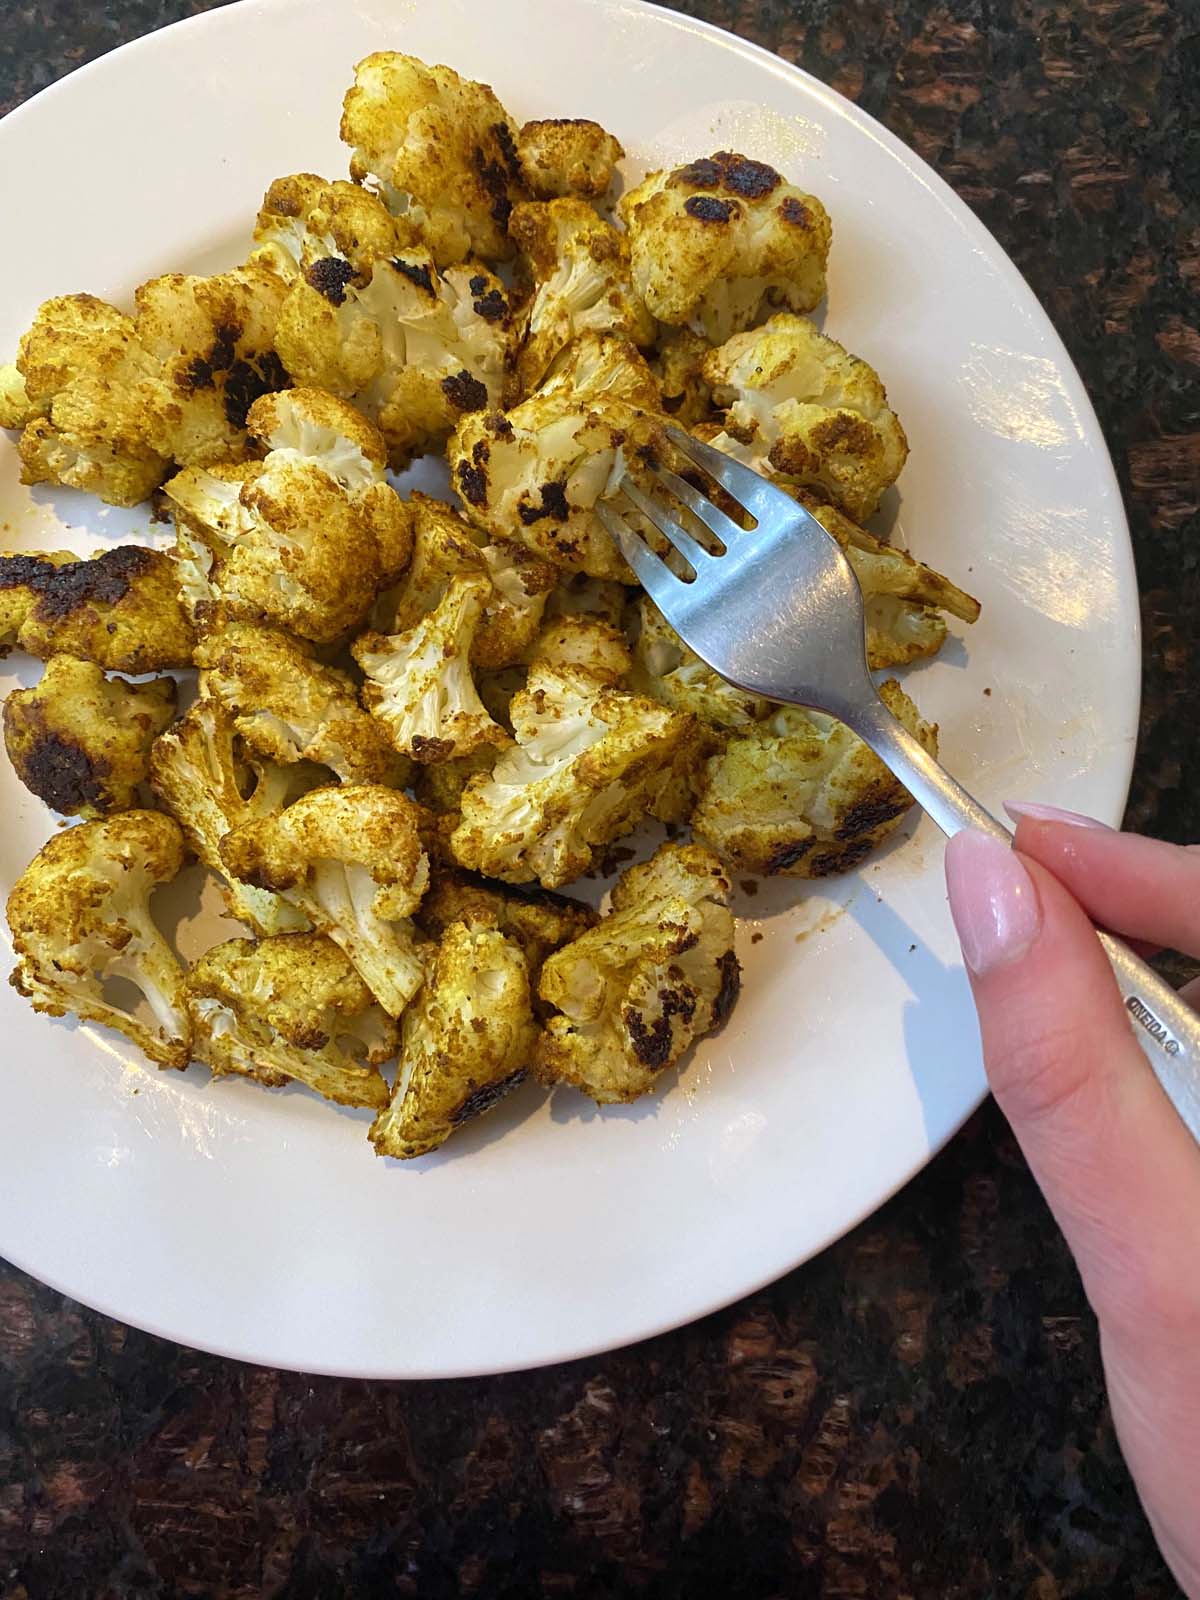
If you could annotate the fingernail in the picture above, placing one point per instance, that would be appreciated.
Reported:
(1039, 813)
(993, 901)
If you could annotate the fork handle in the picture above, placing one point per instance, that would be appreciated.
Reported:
(1167, 1029)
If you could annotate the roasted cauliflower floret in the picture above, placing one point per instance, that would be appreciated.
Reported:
(444, 548)
(412, 347)
(80, 916)
(440, 784)
(590, 763)
(586, 642)
(351, 859)
(801, 795)
(419, 683)
(304, 539)
(567, 156)
(540, 922)
(442, 150)
(211, 784)
(540, 469)
(79, 392)
(902, 598)
(212, 344)
(22, 577)
(290, 1009)
(81, 741)
(582, 283)
(718, 243)
(121, 609)
(581, 596)
(466, 1040)
(669, 672)
(818, 414)
(679, 368)
(324, 232)
(289, 707)
(655, 974)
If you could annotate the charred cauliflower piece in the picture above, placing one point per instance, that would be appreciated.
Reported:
(581, 596)
(444, 548)
(289, 707)
(655, 974)
(212, 345)
(210, 784)
(81, 741)
(718, 243)
(679, 368)
(442, 150)
(566, 156)
(291, 1009)
(412, 347)
(590, 764)
(322, 231)
(80, 915)
(304, 539)
(585, 642)
(540, 469)
(903, 599)
(669, 672)
(582, 283)
(22, 578)
(817, 414)
(419, 683)
(540, 922)
(466, 1040)
(120, 610)
(801, 795)
(78, 392)
(351, 859)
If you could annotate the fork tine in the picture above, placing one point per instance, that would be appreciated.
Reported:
(713, 518)
(746, 486)
(692, 551)
(654, 575)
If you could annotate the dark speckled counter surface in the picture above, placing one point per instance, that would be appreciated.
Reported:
(920, 1411)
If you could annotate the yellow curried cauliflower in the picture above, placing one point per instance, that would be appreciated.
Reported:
(120, 609)
(678, 365)
(81, 741)
(582, 283)
(304, 539)
(80, 916)
(585, 642)
(22, 577)
(445, 547)
(590, 763)
(669, 672)
(719, 242)
(321, 231)
(902, 598)
(412, 347)
(442, 149)
(289, 1009)
(540, 469)
(351, 859)
(581, 596)
(212, 345)
(817, 414)
(289, 707)
(466, 1040)
(563, 156)
(210, 784)
(539, 921)
(78, 392)
(801, 795)
(655, 974)
(419, 683)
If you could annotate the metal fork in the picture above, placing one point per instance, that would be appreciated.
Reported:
(778, 612)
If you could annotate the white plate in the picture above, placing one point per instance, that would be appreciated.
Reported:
(260, 1225)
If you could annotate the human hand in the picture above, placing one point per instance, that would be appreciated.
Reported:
(1118, 1167)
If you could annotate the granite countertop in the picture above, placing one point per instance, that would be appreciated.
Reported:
(919, 1412)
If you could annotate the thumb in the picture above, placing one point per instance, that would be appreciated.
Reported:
(1118, 1167)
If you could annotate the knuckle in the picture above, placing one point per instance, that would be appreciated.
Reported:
(1042, 1075)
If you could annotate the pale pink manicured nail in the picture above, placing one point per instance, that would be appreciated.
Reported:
(1039, 813)
(993, 901)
